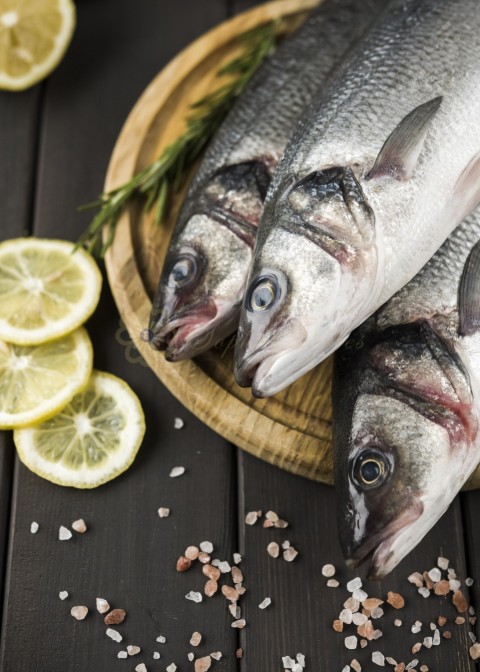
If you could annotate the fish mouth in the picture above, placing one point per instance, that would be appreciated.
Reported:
(385, 549)
(195, 331)
(259, 368)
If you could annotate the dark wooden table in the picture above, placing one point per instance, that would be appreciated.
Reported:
(55, 143)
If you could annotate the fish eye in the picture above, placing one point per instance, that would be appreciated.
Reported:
(262, 294)
(183, 270)
(370, 469)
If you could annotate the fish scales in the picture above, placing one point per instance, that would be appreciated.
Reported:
(378, 173)
(204, 276)
(406, 407)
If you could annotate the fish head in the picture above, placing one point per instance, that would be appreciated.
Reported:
(198, 300)
(404, 444)
(200, 291)
(312, 272)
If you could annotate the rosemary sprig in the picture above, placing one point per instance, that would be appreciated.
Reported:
(156, 183)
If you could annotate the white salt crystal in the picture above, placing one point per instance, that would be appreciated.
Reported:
(122, 654)
(297, 668)
(172, 668)
(427, 642)
(359, 619)
(285, 544)
(133, 650)
(377, 634)
(332, 583)
(288, 662)
(416, 627)
(141, 668)
(378, 658)
(413, 663)
(328, 571)
(190, 657)
(224, 567)
(113, 634)
(63, 594)
(64, 533)
(206, 547)
(397, 622)
(435, 574)
(163, 512)
(79, 612)
(216, 655)
(376, 613)
(351, 642)
(442, 562)
(237, 558)
(301, 659)
(34, 527)
(178, 423)
(265, 603)
(469, 582)
(346, 616)
(79, 526)
(102, 605)
(424, 592)
(177, 471)
(156, 655)
(252, 517)
(454, 585)
(161, 639)
(359, 594)
(194, 596)
(436, 638)
(346, 668)
(354, 584)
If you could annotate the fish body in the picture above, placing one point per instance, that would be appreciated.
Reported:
(406, 401)
(201, 288)
(377, 175)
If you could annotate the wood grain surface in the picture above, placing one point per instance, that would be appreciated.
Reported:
(128, 554)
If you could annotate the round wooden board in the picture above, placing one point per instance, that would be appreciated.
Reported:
(291, 430)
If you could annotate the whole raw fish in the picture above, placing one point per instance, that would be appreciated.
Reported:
(376, 177)
(205, 273)
(406, 400)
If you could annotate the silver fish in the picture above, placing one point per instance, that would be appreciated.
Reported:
(205, 273)
(376, 177)
(406, 400)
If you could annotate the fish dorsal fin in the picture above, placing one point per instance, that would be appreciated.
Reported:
(399, 155)
(469, 294)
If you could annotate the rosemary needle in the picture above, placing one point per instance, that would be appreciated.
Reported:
(157, 182)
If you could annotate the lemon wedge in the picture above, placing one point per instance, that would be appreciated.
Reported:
(91, 441)
(45, 290)
(34, 35)
(37, 381)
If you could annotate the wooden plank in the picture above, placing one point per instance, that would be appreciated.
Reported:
(303, 608)
(18, 145)
(128, 554)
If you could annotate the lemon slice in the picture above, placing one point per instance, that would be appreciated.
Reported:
(34, 35)
(92, 440)
(45, 290)
(38, 381)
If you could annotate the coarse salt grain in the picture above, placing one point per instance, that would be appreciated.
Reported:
(346, 668)
(265, 603)
(190, 656)
(428, 642)
(132, 650)
(161, 639)
(203, 664)
(346, 616)
(351, 642)
(240, 624)
(79, 526)
(301, 659)
(102, 605)
(359, 619)
(64, 533)
(359, 594)
(79, 612)
(113, 634)
(237, 575)
(443, 562)
(328, 571)
(424, 592)
(332, 583)
(195, 639)
(252, 517)
(172, 668)
(355, 665)
(191, 552)
(34, 527)
(206, 547)
(416, 627)
(216, 655)
(163, 512)
(178, 423)
(271, 515)
(141, 668)
(378, 658)
(395, 600)
(397, 622)
(352, 604)
(454, 585)
(285, 544)
(115, 617)
(469, 582)
(63, 594)
(193, 596)
(177, 471)
(156, 655)
(435, 574)
(224, 567)
(122, 654)
(354, 584)
(376, 613)
(288, 662)
(290, 553)
(273, 549)
(237, 558)
(412, 664)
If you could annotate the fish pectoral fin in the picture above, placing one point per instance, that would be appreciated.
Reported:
(399, 155)
(469, 294)
(466, 195)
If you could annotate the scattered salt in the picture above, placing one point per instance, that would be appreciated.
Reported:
(351, 642)
(332, 583)
(156, 655)
(161, 639)
(178, 423)
(224, 567)
(79, 526)
(102, 605)
(328, 571)
(163, 512)
(265, 603)
(177, 471)
(122, 654)
(194, 596)
(141, 668)
(79, 612)
(237, 558)
(206, 547)
(113, 634)
(34, 527)
(378, 658)
(63, 594)
(133, 650)
(172, 668)
(354, 584)
(64, 533)
(435, 574)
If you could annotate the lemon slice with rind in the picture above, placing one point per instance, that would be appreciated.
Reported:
(34, 35)
(38, 381)
(46, 289)
(91, 441)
